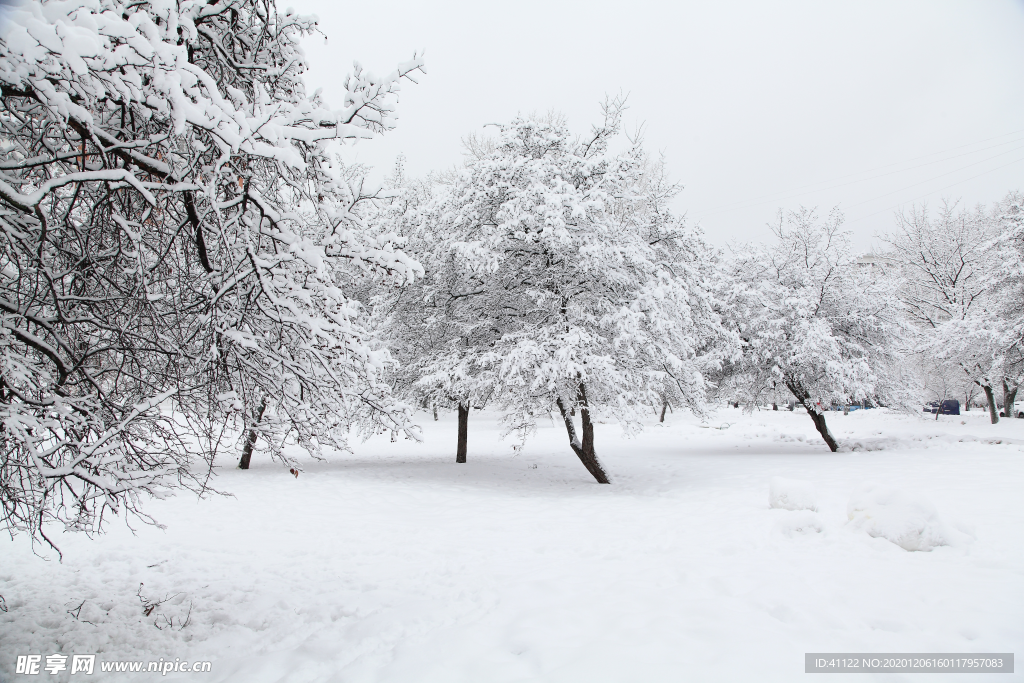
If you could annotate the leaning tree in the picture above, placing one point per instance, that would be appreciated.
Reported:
(176, 250)
(814, 322)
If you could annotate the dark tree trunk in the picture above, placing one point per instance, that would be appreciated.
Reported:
(775, 406)
(250, 441)
(664, 407)
(1009, 398)
(993, 412)
(460, 452)
(583, 449)
(817, 416)
(435, 413)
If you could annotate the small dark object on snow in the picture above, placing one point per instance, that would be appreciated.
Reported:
(294, 471)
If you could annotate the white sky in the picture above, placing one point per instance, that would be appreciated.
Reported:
(867, 105)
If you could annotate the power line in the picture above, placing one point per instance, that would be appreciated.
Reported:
(910, 168)
(776, 196)
(941, 175)
(953, 184)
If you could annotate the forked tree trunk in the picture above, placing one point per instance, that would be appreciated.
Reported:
(250, 440)
(460, 451)
(817, 416)
(1009, 398)
(993, 412)
(584, 449)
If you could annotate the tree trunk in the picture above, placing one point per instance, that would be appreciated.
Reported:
(435, 413)
(664, 407)
(817, 416)
(460, 452)
(993, 412)
(585, 449)
(1009, 398)
(250, 441)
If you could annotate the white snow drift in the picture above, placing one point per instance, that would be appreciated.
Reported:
(911, 522)
(791, 494)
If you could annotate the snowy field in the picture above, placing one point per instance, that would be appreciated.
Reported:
(396, 564)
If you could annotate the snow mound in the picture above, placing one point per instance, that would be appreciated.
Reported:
(791, 494)
(921, 441)
(800, 523)
(910, 522)
(871, 444)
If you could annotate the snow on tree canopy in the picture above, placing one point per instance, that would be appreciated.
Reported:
(556, 283)
(813, 324)
(174, 230)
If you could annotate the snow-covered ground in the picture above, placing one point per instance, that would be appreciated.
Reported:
(396, 564)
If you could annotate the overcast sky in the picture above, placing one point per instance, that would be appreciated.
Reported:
(870, 106)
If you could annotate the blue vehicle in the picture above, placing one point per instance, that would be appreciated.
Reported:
(850, 408)
(950, 406)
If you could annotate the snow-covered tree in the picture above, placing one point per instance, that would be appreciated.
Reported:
(430, 328)
(945, 262)
(564, 287)
(172, 228)
(983, 347)
(814, 323)
(959, 288)
(988, 342)
(1008, 281)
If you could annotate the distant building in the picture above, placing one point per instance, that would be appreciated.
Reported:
(872, 264)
